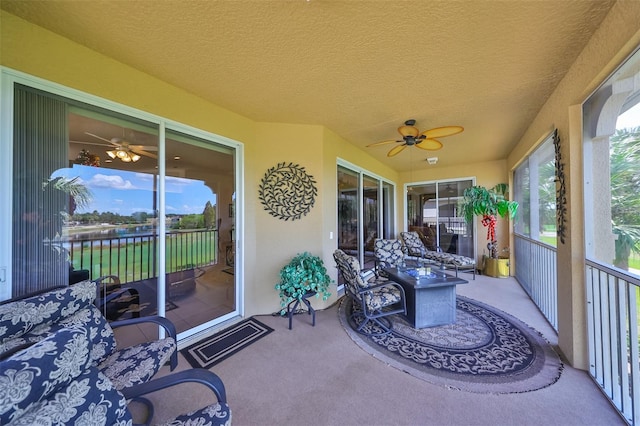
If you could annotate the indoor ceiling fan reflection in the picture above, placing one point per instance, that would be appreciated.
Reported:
(411, 136)
(124, 151)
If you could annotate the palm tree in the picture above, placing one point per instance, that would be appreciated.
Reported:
(624, 152)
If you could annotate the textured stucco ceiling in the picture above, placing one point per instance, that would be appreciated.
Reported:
(360, 68)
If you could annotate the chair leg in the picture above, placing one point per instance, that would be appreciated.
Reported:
(383, 323)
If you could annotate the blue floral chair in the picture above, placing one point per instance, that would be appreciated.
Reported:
(416, 249)
(374, 298)
(29, 320)
(55, 381)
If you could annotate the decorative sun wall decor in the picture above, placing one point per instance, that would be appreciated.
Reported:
(287, 191)
(561, 190)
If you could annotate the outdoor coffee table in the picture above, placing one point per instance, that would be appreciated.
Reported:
(431, 299)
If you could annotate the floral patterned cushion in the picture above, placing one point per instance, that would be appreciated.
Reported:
(71, 307)
(381, 297)
(137, 364)
(376, 298)
(19, 317)
(389, 253)
(89, 399)
(416, 248)
(413, 243)
(450, 259)
(54, 381)
(90, 319)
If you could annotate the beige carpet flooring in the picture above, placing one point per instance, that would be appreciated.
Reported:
(318, 376)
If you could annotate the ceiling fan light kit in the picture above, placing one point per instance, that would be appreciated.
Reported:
(426, 140)
(123, 155)
(123, 150)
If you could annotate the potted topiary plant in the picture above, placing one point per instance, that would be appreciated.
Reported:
(304, 276)
(488, 204)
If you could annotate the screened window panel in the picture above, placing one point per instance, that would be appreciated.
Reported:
(39, 203)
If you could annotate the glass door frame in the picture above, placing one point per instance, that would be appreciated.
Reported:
(386, 204)
(10, 77)
(437, 184)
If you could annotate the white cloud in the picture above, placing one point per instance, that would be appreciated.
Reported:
(110, 181)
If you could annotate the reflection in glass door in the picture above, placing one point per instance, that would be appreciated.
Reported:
(200, 225)
(111, 237)
(365, 212)
(371, 214)
(432, 211)
(348, 207)
(87, 192)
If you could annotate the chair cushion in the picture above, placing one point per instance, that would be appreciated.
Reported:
(33, 374)
(381, 297)
(451, 259)
(389, 253)
(216, 414)
(90, 319)
(413, 243)
(137, 364)
(21, 316)
(89, 399)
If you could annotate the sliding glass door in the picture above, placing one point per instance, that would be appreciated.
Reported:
(433, 211)
(144, 209)
(365, 212)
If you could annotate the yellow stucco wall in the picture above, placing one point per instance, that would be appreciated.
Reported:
(268, 242)
(617, 37)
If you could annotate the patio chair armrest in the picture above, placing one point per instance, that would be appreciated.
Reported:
(169, 327)
(198, 375)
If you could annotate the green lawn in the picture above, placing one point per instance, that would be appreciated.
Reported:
(132, 262)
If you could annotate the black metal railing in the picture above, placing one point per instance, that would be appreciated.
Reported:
(134, 258)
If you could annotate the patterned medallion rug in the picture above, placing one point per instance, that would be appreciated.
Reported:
(484, 351)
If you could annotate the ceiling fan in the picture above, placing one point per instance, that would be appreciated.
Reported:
(124, 150)
(411, 136)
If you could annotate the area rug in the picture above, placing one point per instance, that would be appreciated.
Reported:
(210, 351)
(484, 351)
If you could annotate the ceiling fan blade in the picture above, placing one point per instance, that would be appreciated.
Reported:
(408, 131)
(89, 143)
(382, 143)
(430, 144)
(99, 137)
(441, 132)
(144, 147)
(396, 150)
(145, 153)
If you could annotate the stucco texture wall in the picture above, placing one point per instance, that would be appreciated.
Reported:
(617, 37)
(268, 243)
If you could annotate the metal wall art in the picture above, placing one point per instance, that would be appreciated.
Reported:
(287, 192)
(561, 190)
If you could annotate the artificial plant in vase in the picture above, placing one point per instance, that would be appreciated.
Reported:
(488, 204)
(305, 274)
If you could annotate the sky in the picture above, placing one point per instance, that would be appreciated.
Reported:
(125, 192)
(631, 118)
